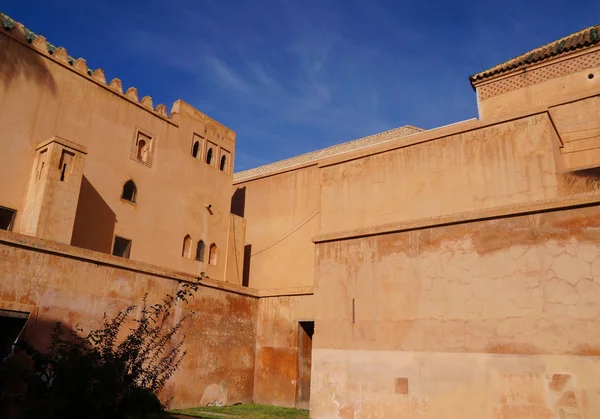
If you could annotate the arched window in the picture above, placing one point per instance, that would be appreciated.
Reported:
(209, 156)
(195, 149)
(223, 163)
(212, 254)
(187, 246)
(142, 150)
(129, 191)
(200, 251)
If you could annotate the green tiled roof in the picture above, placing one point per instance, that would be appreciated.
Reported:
(585, 38)
(9, 23)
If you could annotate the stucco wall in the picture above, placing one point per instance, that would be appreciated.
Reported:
(488, 319)
(276, 376)
(495, 165)
(235, 249)
(41, 97)
(60, 283)
(544, 84)
(282, 217)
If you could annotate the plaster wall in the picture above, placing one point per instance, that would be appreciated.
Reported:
(42, 97)
(276, 375)
(578, 126)
(371, 384)
(54, 283)
(235, 249)
(497, 318)
(282, 213)
(544, 84)
(501, 164)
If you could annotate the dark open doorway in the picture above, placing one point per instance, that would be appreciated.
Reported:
(306, 330)
(12, 324)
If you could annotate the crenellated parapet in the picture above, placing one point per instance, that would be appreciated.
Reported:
(39, 43)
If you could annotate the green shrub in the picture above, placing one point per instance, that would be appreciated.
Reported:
(98, 376)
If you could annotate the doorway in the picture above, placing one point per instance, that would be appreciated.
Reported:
(306, 330)
(12, 325)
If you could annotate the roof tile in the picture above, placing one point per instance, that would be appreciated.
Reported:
(584, 38)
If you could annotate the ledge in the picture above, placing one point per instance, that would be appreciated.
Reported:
(544, 205)
(62, 141)
(237, 182)
(283, 292)
(98, 258)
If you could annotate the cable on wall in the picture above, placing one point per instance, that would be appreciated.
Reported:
(291, 231)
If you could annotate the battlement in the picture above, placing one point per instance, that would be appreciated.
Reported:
(58, 54)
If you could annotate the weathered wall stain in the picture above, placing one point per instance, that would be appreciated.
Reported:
(516, 299)
(220, 338)
(276, 375)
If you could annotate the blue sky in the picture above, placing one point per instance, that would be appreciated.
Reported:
(293, 76)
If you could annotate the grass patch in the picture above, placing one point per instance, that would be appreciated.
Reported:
(245, 411)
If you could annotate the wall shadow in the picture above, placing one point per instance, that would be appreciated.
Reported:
(238, 202)
(306, 330)
(36, 332)
(10, 327)
(18, 60)
(579, 181)
(94, 220)
(246, 268)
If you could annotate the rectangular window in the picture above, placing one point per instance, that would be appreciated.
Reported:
(122, 247)
(7, 216)
(142, 148)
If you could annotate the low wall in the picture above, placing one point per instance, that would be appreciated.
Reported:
(55, 282)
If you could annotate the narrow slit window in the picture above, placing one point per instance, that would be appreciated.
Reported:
(129, 191)
(209, 156)
(200, 251)
(7, 216)
(187, 246)
(41, 164)
(223, 163)
(121, 247)
(195, 149)
(66, 164)
(212, 254)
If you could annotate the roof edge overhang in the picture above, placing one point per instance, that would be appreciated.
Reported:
(583, 39)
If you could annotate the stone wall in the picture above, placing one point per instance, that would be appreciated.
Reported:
(55, 282)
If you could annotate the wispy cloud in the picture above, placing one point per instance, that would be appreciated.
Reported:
(226, 75)
(296, 75)
(261, 76)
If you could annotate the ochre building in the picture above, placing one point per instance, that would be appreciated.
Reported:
(439, 274)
